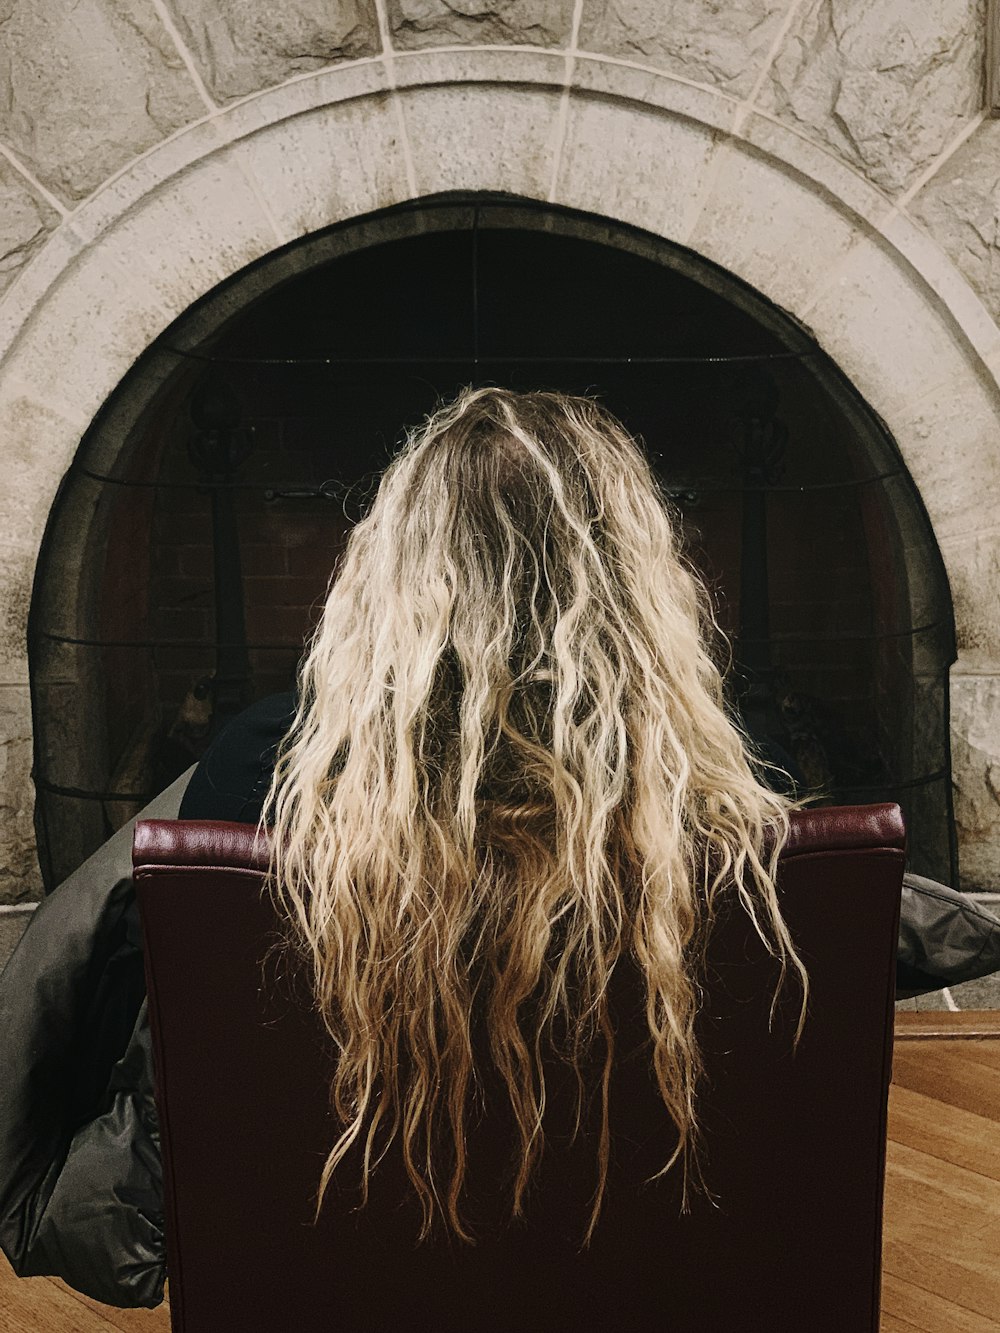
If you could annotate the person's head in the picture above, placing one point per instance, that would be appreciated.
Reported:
(511, 772)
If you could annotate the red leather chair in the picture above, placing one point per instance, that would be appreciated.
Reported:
(794, 1142)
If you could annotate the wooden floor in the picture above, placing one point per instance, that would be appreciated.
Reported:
(941, 1250)
(941, 1270)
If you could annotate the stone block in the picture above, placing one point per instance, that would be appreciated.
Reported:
(975, 752)
(914, 244)
(973, 565)
(338, 83)
(158, 171)
(19, 876)
(87, 85)
(161, 256)
(28, 431)
(34, 284)
(471, 137)
(25, 222)
(634, 165)
(950, 440)
(240, 48)
(761, 223)
(75, 350)
(17, 561)
(886, 85)
(701, 40)
(813, 162)
(884, 327)
(336, 162)
(960, 207)
(421, 23)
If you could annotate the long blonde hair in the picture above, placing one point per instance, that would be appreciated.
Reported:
(511, 768)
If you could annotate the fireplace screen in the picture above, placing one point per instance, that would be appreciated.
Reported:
(194, 536)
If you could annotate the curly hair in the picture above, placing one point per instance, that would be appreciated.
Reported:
(511, 768)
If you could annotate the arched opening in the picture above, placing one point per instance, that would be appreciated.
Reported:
(192, 538)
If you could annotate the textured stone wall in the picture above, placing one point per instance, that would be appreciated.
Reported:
(885, 84)
(418, 24)
(17, 845)
(239, 48)
(848, 133)
(86, 87)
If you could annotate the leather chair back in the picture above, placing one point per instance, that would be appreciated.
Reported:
(794, 1142)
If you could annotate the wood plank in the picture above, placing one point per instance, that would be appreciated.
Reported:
(48, 1305)
(985, 1053)
(942, 1220)
(944, 1072)
(971, 1281)
(890, 1324)
(946, 1132)
(930, 1313)
(945, 1197)
(36, 1305)
(913, 1025)
(126, 1321)
(941, 1252)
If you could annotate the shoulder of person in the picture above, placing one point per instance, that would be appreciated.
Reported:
(234, 773)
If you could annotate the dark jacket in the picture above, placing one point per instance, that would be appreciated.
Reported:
(80, 1179)
(81, 1193)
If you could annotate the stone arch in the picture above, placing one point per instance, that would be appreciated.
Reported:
(686, 163)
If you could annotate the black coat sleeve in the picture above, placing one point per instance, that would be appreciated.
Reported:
(104, 1218)
(80, 1183)
(80, 1177)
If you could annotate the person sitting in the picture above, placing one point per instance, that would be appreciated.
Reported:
(508, 771)
(510, 768)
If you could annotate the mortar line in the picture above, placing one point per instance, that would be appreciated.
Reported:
(265, 207)
(389, 65)
(186, 57)
(930, 172)
(668, 76)
(33, 181)
(385, 36)
(723, 136)
(562, 116)
(404, 143)
(749, 103)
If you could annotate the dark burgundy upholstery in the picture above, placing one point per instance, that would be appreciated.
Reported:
(794, 1144)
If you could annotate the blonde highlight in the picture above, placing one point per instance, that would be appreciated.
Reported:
(510, 770)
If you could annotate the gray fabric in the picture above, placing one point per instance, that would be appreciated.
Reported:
(80, 1179)
(102, 1226)
(944, 938)
(113, 859)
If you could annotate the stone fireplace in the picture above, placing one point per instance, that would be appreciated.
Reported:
(763, 245)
